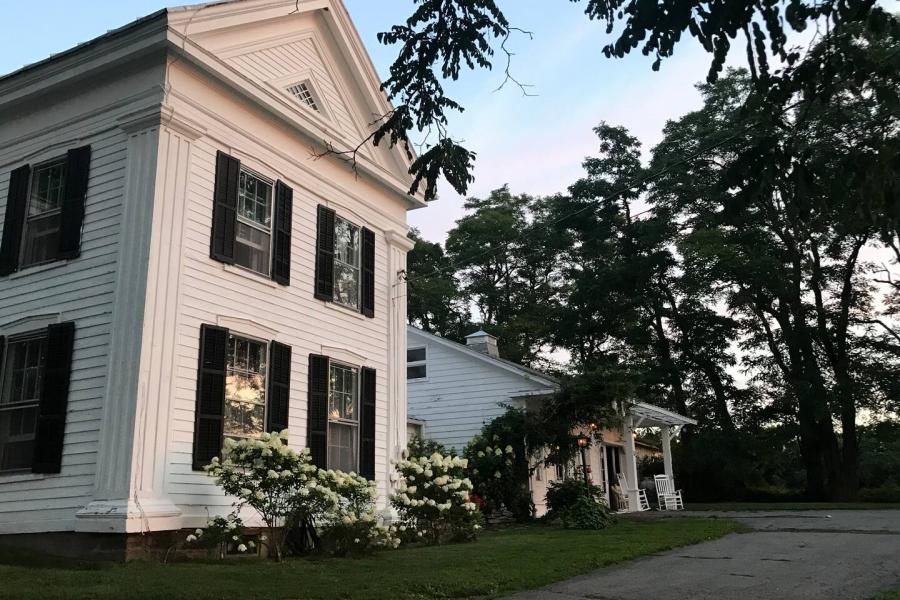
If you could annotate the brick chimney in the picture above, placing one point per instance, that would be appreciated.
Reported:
(482, 341)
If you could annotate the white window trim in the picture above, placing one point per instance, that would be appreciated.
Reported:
(359, 266)
(257, 226)
(28, 324)
(323, 117)
(267, 344)
(418, 363)
(355, 424)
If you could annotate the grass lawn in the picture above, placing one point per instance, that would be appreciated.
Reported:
(895, 595)
(501, 562)
(740, 506)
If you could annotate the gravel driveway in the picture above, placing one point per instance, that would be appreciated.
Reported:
(845, 554)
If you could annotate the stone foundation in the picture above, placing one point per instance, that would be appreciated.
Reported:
(114, 547)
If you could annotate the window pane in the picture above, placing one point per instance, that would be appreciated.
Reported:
(346, 242)
(23, 371)
(245, 388)
(346, 285)
(17, 430)
(22, 379)
(416, 372)
(342, 397)
(252, 248)
(346, 263)
(41, 238)
(255, 199)
(342, 453)
(47, 185)
(415, 354)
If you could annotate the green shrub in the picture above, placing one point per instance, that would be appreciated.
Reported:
(563, 494)
(587, 513)
(886, 493)
(577, 505)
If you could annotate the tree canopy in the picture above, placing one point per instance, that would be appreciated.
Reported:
(730, 277)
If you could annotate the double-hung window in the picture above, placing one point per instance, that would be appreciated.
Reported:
(44, 214)
(343, 417)
(40, 235)
(253, 232)
(416, 365)
(346, 263)
(22, 379)
(245, 388)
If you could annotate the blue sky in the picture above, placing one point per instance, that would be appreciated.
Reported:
(535, 144)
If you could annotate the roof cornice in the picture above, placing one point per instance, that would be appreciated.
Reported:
(142, 37)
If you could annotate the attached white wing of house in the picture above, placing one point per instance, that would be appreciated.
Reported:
(454, 389)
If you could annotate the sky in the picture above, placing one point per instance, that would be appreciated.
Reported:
(534, 143)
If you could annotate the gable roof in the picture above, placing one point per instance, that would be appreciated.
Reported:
(528, 373)
(176, 30)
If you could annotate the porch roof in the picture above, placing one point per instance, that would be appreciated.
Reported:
(650, 415)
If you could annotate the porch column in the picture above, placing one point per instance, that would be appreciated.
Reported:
(631, 476)
(666, 435)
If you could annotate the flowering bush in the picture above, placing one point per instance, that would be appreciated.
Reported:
(221, 535)
(498, 464)
(354, 527)
(276, 481)
(433, 499)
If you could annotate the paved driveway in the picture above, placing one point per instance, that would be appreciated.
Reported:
(789, 555)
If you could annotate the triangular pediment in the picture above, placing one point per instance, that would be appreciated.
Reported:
(307, 58)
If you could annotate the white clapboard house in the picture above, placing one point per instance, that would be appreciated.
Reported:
(455, 389)
(177, 266)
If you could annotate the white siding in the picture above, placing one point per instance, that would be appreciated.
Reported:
(209, 292)
(79, 290)
(461, 393)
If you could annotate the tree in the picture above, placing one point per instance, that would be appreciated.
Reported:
(505, 258)
(443, 37)
(774, 219)
(434, 300)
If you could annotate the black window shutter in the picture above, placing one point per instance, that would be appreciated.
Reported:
(325, 254)
(51, 426)
(210, 412)
(317, 410)
(78, 167)
(284, 210)
(279, 387)
(367, 425)
(368, 273)
(14, 220)
(225, 196)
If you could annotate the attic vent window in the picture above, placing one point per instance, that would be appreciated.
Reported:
(302, 92)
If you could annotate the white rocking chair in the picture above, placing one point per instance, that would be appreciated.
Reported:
(643, 503)
(669, 498)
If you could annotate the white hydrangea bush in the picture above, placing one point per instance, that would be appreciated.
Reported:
(221, 534)
(433, 500)
(276, 481)
(354, 527)
(287, 491)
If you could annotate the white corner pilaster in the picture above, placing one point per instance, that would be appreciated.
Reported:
(398, 246)
(130, 494)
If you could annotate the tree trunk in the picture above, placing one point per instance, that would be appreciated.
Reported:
(723, 416)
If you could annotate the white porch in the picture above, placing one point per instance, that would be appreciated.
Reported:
(640, 415)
